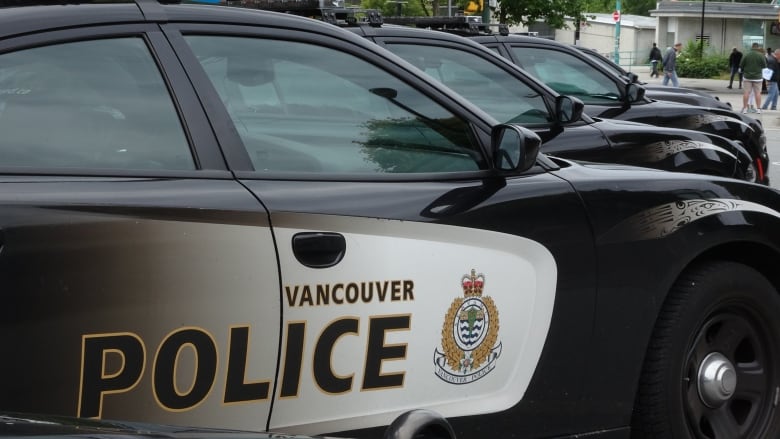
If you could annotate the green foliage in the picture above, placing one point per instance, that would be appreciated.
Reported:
(552, 12)
(691, 63)
(638, 7)
(635, 7)
(412, 8)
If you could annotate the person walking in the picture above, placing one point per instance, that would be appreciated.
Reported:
(769, 53)
(670, 65)
(655, 57)
(734, 59)
(751, 65)
(773, 63)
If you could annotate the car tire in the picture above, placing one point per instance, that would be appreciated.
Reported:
(712, 368)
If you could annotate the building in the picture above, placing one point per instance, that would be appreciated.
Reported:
(724, 25)
(637, 34)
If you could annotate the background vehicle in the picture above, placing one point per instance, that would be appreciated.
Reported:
(659, 92)
(571, 72)
(349, 240)
(510, 95)
(568, 71)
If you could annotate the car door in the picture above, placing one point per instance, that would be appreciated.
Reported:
(134, 270)
(400, 248)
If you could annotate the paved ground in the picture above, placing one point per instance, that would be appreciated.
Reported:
(717, 87)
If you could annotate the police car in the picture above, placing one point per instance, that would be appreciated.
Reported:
(570, 71)
(658, 91)
(228, 218)
(509, 94)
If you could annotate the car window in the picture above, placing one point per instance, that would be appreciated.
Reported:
(604, 63)
(307, 108)
(567, 74)
(477, 79)
(89, 104)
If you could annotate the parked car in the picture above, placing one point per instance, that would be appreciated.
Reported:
(570, 72)
(321, 238)
(657, 91)
(510, 95)
(567, 70)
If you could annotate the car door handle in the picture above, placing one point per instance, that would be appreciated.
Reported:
(319, 249)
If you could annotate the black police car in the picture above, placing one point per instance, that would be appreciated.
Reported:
(605, 94)
(656, 91)
(218, 217)
(510, 95)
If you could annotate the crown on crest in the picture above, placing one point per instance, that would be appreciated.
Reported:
(473, 284)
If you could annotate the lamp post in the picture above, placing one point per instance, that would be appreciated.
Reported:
(701, 34)
(617, 18)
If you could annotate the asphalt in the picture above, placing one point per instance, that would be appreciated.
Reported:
(716, 87)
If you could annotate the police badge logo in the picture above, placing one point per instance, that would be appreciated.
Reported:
(469, 335)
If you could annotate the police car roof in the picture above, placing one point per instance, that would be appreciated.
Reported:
(25, 17)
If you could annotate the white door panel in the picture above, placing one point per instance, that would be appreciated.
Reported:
(381, 330)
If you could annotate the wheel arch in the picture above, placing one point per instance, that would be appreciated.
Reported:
(760, 256)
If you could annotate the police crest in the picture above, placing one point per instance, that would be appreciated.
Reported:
(469, 335)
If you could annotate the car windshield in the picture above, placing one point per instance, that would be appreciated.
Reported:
(482, 82)
(604, 62)
(568, 74)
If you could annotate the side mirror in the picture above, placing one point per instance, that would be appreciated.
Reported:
(634, 92)
(632, 77)
(568, 109)
(420, 424)
(514, 148)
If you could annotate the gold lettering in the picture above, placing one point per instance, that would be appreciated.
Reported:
(396, 291)
(336, 288)
(306, 296)
(323, 294)
(291, 297)
(351, 293)
(408, 290)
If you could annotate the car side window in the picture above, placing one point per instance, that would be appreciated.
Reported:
(301, 107)
(491, 88)
(98, 104)
(568, 75)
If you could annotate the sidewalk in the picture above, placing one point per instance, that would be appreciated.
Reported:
(716, 87)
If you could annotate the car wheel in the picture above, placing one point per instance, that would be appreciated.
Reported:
(712, 368)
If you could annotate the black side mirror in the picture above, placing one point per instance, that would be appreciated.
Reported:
(632, 77)
(514, 148)
(634, 92)
(568, 109)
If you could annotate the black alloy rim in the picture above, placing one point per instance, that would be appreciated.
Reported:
(739, 336)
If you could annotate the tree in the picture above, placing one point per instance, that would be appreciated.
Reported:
(553, 12)
(390, 7)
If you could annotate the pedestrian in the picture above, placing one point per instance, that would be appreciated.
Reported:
(670, 65)
(734, 59)
(655, 58)
(773, 63)
(751, 65)
(768, 55)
